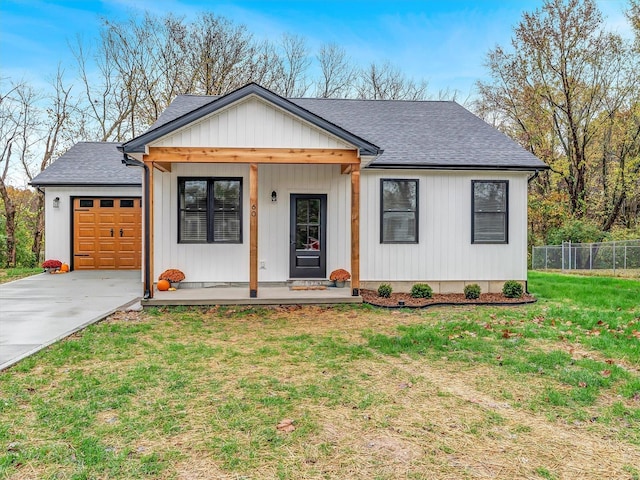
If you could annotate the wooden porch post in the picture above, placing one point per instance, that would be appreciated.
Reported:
(253, 230)
(355, 230)
(149, 288)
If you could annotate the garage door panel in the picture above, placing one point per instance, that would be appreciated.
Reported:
(86, 246)
(129, 218)
(127, 261)
(84, 263)
(86, 218)
(106, 232)
(106, 262)
(86, 232)
(98, 242)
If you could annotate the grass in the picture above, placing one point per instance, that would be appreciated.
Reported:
(11, 274)
(550, 390)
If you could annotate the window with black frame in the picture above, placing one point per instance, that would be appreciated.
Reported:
(490, 211)
(210, 210)
(398, 211)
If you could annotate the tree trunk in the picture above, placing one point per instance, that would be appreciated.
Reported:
(38, 233)
(10, 213)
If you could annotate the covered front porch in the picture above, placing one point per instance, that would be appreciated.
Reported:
(276, 161)
(267, 250)
(240, 295)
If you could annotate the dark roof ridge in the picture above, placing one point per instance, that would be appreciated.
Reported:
(399, 100)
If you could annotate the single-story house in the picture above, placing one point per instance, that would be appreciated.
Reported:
(255, 189)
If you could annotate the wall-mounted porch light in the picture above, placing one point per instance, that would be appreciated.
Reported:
(274, 196)
(56, 202)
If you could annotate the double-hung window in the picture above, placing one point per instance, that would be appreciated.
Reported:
(490, 211)
(210, 210)
(398, 211)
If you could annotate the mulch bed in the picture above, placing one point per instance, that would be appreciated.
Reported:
(371, 297)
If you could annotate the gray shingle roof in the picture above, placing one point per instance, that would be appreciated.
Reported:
(90, 163)
(424, 134)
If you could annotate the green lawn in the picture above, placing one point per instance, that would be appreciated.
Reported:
(549, 390)
(11, 274)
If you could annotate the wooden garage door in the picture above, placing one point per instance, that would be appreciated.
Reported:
(107, 233)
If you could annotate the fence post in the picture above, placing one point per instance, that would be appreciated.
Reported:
(569, 254)
(614, 259)
(625, 256)
(590, 256)
(546, 258)
(562, 256)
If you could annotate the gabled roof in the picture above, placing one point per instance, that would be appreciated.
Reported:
(176, 121)
(411, 134)
(90, 163)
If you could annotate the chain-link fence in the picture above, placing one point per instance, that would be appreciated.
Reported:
(622, 255)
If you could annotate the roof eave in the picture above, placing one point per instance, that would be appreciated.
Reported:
(84, 184)
(522, 168)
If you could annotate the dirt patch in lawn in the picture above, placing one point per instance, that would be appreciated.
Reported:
(397, 300)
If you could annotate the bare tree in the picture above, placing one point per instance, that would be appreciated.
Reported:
(337, 72)
(386, 82)
(50, 133)
(16, 117)
(295, 62)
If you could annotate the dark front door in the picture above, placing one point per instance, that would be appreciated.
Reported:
(308, 236)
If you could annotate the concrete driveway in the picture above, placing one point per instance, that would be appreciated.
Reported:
(40, 310)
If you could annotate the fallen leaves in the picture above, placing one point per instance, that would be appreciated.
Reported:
(286, 426)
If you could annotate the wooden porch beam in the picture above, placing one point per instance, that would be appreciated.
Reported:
(253, 230)
(355, 230)
(345, 168)
(252, 155)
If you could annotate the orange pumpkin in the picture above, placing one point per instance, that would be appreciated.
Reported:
(64, 267)
(163, 285)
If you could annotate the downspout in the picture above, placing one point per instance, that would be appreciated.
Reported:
(132, 162)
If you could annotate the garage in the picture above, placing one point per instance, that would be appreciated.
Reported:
(107, 233)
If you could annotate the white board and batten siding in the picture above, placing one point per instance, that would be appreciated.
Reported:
(218, 262)
(251, 123)
(58, 220)
(445, 251)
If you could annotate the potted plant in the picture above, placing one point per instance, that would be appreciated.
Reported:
(173, 276)
(51, 266)
(339, 277)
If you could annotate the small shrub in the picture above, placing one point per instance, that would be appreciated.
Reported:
(172, 275)
(51, 264)
(384, 290)
(512, 289)
(340, 275)
(472, 291)
(421, 290)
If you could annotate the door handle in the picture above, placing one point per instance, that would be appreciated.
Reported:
(120, 232)
(112, 232)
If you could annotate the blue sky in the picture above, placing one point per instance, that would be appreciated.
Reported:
(442, 41)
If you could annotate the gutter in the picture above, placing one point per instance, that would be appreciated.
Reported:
(132, 162)
(533, 177)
